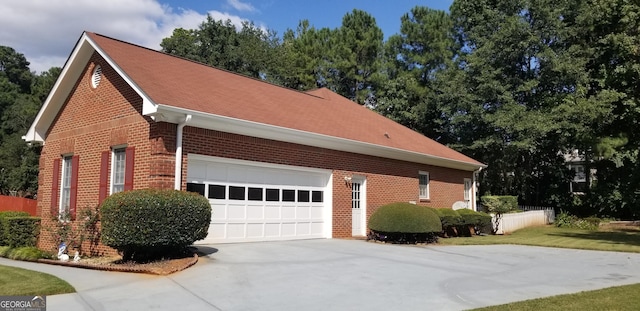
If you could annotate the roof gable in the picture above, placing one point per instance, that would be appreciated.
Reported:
(172, 87)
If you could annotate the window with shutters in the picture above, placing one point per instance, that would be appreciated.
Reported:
(65, 189)
(118, 168)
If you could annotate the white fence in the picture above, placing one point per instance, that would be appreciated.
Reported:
(515, 221)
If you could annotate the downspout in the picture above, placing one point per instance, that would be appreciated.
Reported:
(178, 172)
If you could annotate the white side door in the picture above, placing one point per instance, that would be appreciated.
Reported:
(358, 207)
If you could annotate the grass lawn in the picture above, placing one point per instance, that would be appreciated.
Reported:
(607, 238)
(613, 298)
(22, 282)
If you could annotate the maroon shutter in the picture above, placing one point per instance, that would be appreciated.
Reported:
(75, 161)
(104, 176)
(55, 188)
(128, 168)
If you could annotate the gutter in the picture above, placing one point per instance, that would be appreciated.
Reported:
(178, 171)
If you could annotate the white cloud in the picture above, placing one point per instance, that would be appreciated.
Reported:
(46, 31)
(241, 6)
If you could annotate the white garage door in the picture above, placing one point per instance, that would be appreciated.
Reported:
(254, 201)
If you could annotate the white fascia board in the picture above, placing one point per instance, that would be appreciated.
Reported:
(254, 129)
(69, 75)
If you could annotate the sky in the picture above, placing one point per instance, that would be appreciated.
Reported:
(46, 31)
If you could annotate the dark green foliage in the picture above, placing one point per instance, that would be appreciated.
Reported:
(500, 204)
(450, 220)
(404, 223)
(21, 231)
(449, 217)
(151, 223)
(479, 221)
(474, 218)
(3, 231)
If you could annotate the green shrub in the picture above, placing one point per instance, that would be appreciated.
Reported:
(404, 223)
(28, 253)
(449, 217)
(566, 220)
(479, 221)
(152, 223)
(8, 214)
(21, 231)
(500, 204)
(450, 221)
(470, 217)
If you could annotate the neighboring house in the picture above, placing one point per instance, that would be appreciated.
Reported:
(275, 163)
(577, 163)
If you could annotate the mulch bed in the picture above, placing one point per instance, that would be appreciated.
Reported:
(159, 267)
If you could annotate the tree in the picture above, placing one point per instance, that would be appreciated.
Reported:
(524, 80)
(247, 51)
(354, 50)
(304, 63)
(21, 96)
(608, 33)
(413, 60)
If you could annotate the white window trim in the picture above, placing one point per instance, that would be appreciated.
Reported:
(425, 187)
(467, 190)
(113, 168)
(67, 162)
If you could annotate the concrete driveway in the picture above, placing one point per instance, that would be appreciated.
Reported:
(347, 275)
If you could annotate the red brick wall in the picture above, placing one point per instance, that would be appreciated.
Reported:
(90, 122)
(386, 180)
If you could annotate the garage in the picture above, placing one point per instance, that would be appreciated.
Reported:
(253, 201)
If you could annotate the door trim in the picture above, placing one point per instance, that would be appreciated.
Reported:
(362, 180)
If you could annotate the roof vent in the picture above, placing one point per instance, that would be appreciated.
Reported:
(96, 76)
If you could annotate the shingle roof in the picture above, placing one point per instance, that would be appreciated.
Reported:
(173, 81)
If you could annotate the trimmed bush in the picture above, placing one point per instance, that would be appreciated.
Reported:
(7, 214)
(152, 223)
(479, 221)
(404, 223)
(450, 220)
(470, 217)
(21, 231)
(449, 217)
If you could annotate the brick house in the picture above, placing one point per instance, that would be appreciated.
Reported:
(275, 163)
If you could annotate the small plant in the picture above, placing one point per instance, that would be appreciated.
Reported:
(28, 253)
(75, 233)
(499, 205)
(566, 220)
(404, 223)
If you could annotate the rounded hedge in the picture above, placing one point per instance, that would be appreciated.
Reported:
(404, 218)
(151, 223)
(474, 218)
(449, 217)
